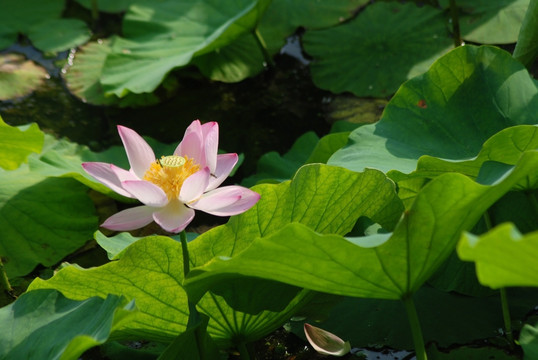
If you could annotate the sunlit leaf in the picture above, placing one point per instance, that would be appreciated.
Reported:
(18, 76)
(435, 115)
(368, 58)
(17, 143)
(503, 256)
(45, 322)
(42, 219)
(423, 239)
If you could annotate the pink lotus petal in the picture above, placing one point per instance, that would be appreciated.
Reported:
(192, 144)
(138, 151)
(174, 217)
(194, 186)
(107, 175)
(130, 219)
(225, 164)
(227, 201)
(324, 342)
(148, 193)
(211, 144)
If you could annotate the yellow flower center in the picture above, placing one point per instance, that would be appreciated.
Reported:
(170, 172)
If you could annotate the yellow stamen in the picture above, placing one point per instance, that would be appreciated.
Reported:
(170, 172)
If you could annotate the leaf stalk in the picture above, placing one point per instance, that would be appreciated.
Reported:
(416, 331)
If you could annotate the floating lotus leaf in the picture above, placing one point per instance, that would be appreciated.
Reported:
(18, 76)
(368, 57)
(53, 35)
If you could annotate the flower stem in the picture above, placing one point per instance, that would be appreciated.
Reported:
(455, 23)
(4, 281)
(194, 315)
(243, 351)
(416, 331)
(263, 47)
(506, 315)
(185, 251)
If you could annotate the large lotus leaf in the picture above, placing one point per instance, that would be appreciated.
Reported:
(62, 158)
(526, 49)
(434, 114)
(326, 199)
(384, 322)
(503, 256)
(53, 35)
(368, 58)
(150, 272)
(160, 36)
(18, 76)
(360, 267)
(42, 219)
(44, 324)
(84, 72)
(491, 22)
(16, 143)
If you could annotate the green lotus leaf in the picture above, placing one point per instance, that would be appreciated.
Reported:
(17, 143)
(490, 22)
(422, 240)
(53, 35)
(84, 72)
(368, 58)
(434, 115)
(42, 219)
(45, 322)
(160, 36)
(503, 256)
(526, 49)
(150, 272)
(18, 76)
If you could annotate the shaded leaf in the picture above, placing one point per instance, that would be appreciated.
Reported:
(368, 58)
(45, 323)
(528, 339)
(16, 143)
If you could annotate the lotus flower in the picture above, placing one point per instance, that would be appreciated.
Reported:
(172, 187)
